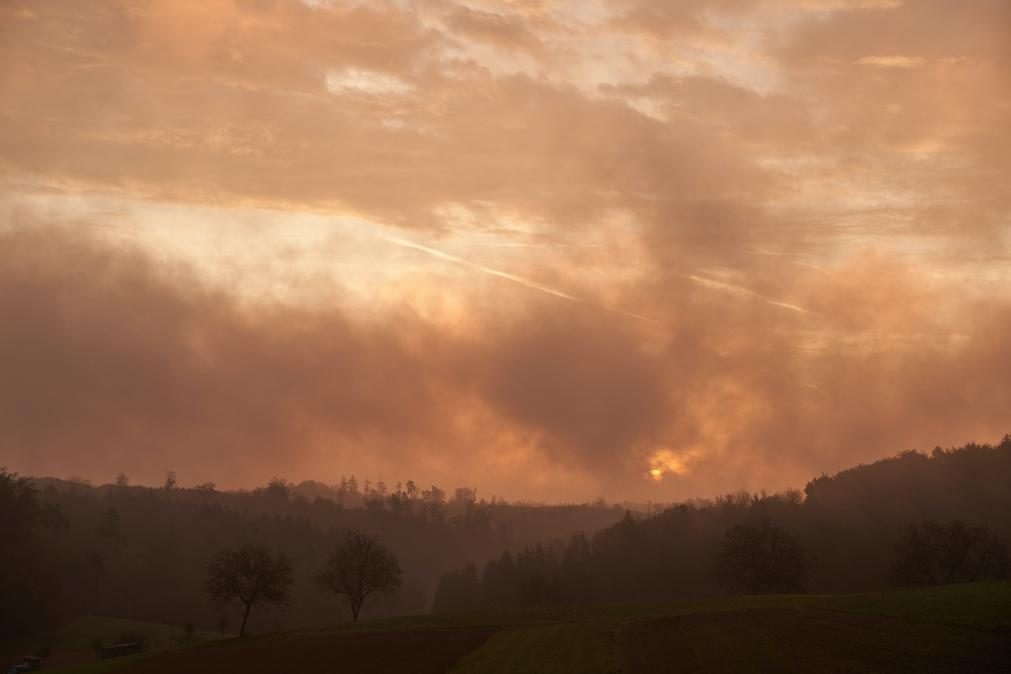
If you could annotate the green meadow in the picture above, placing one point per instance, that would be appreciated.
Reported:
(765, 633)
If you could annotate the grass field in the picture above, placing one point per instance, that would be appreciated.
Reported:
(805, 640)
(949, 629)
(71, 643)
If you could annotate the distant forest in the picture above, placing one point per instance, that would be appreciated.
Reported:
(912, 519)
(142, 553)
(72, 549)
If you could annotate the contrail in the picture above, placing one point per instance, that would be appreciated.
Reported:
(480, 267)
(517, 244)
(798, 380)
(533, 285)
(527, 283)
(814, 267)
(747, 291)
(762, 251)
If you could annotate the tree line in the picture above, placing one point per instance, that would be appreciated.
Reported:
(143, 553)
(912, 519)
(131, 551)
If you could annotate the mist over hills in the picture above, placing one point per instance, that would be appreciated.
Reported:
(141, 552)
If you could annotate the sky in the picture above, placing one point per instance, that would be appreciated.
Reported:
(551, 249)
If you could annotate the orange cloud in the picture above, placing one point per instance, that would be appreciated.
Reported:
(807, 202)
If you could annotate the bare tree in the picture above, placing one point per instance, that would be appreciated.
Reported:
(956, 552)
(760, 559)
(361, 566)
(251, 575)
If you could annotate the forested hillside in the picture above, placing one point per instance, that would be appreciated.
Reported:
(140, 552)
(847, 530)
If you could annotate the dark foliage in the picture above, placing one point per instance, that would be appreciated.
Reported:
(30, 588)
(360, 567)
(761, 559)
(139, 552)
(839, 535)
(458, 591)
(251, 575)
(955, 552)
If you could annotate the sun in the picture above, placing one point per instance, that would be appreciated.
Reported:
(664, 461)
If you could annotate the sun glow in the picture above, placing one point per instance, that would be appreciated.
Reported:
(664, 462)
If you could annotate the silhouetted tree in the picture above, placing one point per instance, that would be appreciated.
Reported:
(109, 528)
(278, 490)
(21, 510)
(251, 575)
(465, 495)
(361, 566)
(29, 582)
(939, 554)
(498, 583)
(374, 505)
(761, 559)
(537, 576)
(575, 569)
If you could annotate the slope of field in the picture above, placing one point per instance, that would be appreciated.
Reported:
(72, 643)
(962, 627)
(404, 652)
(806, 640)
(585, 646)
(983, 606)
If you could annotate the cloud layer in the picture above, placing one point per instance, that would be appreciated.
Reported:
(734, 243)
